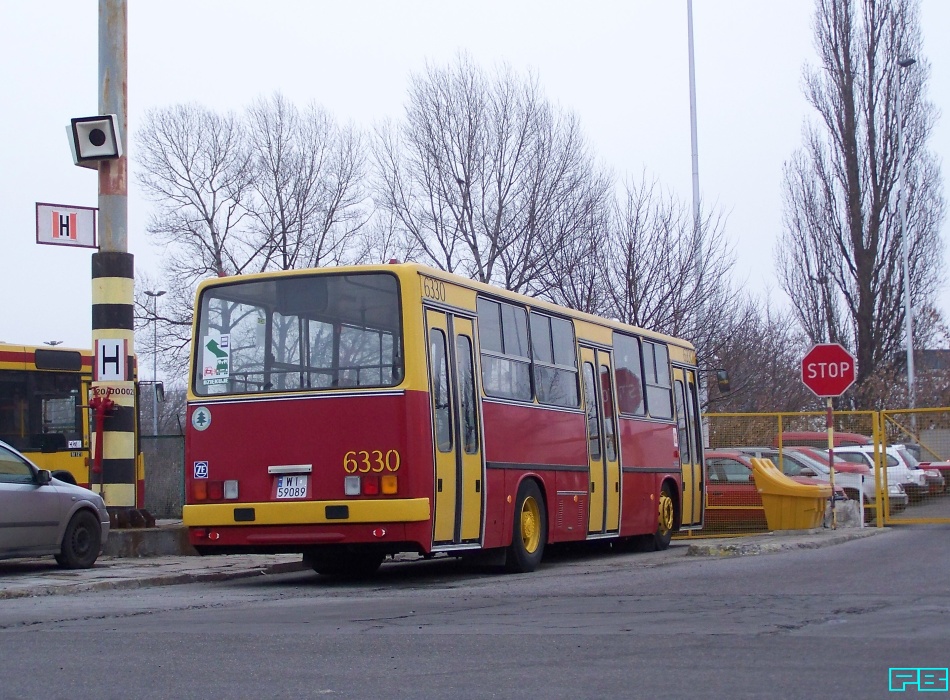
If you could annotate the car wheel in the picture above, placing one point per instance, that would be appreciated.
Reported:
(81, 542)
(666, 521)
(529, 531)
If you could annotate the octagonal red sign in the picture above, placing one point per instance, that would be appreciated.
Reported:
(828, 369)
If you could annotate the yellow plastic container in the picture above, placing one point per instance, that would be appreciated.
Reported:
(788, 504)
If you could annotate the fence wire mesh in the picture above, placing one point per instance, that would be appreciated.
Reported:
(164, 475)
(876, 457)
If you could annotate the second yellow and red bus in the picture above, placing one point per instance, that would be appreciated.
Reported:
(354, 413)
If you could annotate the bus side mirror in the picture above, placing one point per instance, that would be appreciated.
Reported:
(722, 381)
(160, 392)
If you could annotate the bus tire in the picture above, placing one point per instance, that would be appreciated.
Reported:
(345, 564)
(666, 520)
(81, 542)
(529, 531)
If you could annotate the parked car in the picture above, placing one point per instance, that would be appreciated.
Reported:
(935, 480)
(943, 468)
(855, 478)
(814, 438)
(896, 469)
(817, 453)
(732, 500)
(40, 515)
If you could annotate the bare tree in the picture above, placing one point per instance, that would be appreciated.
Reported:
(481, 174)
(664, 272)
(195, 167)
(761, 349)
(275, 189)
(307, 185)
(840, 254)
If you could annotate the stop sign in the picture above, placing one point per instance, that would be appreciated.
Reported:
(828, 369)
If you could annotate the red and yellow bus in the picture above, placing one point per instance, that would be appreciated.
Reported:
(43, 398)
(352, 413)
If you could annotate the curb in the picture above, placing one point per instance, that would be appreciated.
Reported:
(787, 541)
(171, 579)
(149, 542)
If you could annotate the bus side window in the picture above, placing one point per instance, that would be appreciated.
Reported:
(656, 366)
(629, 374)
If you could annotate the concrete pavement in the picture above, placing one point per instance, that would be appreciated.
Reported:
(142, 558)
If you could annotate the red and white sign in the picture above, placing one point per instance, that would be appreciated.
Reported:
(61, 224)
(828, 370)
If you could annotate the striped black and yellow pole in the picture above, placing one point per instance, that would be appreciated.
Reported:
(113, 280)
(112, 337)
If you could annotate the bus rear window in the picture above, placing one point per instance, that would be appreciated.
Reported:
(299, 333)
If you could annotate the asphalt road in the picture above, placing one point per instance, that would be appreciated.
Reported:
(823, 623)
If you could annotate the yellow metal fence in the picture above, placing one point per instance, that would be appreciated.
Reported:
(888, 493)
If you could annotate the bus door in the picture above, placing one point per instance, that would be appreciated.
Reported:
(453, 392)
(690, 444)
(602, 443)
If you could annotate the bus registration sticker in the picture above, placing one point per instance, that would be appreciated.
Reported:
(295, 486)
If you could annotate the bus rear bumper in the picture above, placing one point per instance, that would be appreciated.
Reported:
(395, 525)
(404, 510)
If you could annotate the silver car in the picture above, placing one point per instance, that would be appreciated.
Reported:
(41, 515)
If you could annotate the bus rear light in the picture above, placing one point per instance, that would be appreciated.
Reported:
(371, 485)
(231, 489)
(351, 486)
(390, 484)
(215, 490)
(213, 535)
(199, 532)
(199, 490)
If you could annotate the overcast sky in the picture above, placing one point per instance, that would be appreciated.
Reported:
(621, 66)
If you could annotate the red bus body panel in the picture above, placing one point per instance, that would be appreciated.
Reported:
(246, 437)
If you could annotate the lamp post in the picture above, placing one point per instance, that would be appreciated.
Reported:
(906, 62)
(155, 295)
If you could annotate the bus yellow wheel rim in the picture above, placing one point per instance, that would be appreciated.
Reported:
(666, 512)
(530, 525)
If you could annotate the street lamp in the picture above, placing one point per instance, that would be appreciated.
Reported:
(906, 62)
(155, 295)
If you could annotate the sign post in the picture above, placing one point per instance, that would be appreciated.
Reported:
(829, 370)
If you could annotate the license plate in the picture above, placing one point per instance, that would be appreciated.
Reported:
(292, 486)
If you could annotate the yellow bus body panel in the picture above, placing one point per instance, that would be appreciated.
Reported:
(406, 510)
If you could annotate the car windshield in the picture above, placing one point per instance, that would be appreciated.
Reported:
(908, 458)
(814, 464)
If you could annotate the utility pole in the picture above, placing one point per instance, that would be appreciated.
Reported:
(112, 272)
